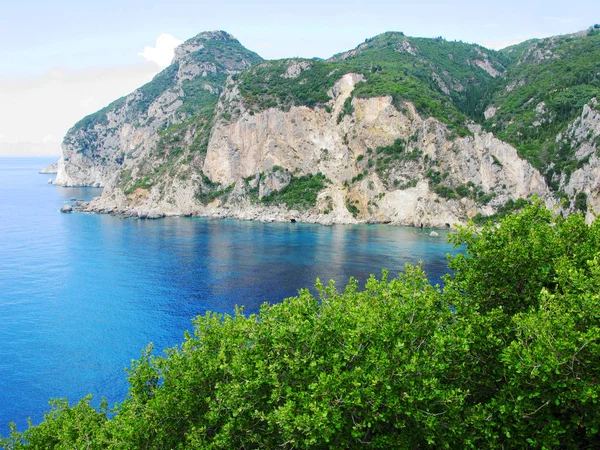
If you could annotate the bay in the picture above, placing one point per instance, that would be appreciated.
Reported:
(81, 295)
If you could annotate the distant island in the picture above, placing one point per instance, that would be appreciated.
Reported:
(52, 168)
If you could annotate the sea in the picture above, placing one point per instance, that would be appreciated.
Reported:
(81, 295)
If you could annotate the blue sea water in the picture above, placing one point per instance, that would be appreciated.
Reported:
(81, 294)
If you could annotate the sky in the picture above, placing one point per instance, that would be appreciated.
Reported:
(62, 60)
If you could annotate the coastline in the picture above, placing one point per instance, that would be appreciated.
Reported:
(254, 214)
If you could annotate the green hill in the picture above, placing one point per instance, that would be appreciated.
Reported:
(216, 53)
(443, 79)
(546, 85)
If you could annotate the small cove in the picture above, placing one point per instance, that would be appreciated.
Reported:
(81, 295)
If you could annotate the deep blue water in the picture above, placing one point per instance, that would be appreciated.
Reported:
(81, 295)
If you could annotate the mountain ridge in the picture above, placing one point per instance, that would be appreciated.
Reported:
(166, 142)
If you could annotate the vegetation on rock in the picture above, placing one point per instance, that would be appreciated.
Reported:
(439, 77)
(217, 51)
(301, 193)
(546, 85)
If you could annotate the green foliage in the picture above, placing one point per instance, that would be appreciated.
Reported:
(141, 183)
(463, 190)
(163, 81)
(63, 427)
(470, 190)
(209, 190)
(97, 118)
(581, 202)
(173, 152)
(387, 158)
(388, 70)
(564, 73)
(225, 53)
(409, 77)
(594, 31)
(444, 192)
(265, 86)
(352, 208)
(301, 193)
(506, 356)
(407, 185)
(508, 208)
(347, 109)
(530, 245)
(528, 290)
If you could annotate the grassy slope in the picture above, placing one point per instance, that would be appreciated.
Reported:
(389, 70)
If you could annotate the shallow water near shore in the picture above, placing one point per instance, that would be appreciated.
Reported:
(82, 294)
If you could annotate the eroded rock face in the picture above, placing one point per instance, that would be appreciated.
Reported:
(295, 68)
(344, 149)
(52, 168)
(123, 136)
(584, 137)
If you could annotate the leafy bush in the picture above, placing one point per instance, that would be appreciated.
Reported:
(463, 191)
(508, 208)
(347, 109)
(445, 192)
(301, 193)
(264, 86)
(352, 208)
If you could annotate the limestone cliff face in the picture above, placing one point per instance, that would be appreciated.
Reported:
(96, 157)
(124, 134)
(261, 152)
(583, 186)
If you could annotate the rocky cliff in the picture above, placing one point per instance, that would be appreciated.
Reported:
(580, 185)
(387, 132)
(117, 138)
(377, 164)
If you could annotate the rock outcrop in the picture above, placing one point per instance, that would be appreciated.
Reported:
(582, 187)
(51, 169)
(115, 139)
(265, 150)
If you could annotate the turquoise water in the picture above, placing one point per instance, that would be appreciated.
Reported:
(81, 295)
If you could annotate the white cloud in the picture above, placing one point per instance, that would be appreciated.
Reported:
(162, 53)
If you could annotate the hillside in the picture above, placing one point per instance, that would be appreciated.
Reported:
(398, 130)
(99, 147)
(545, 88)
(439, 77)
